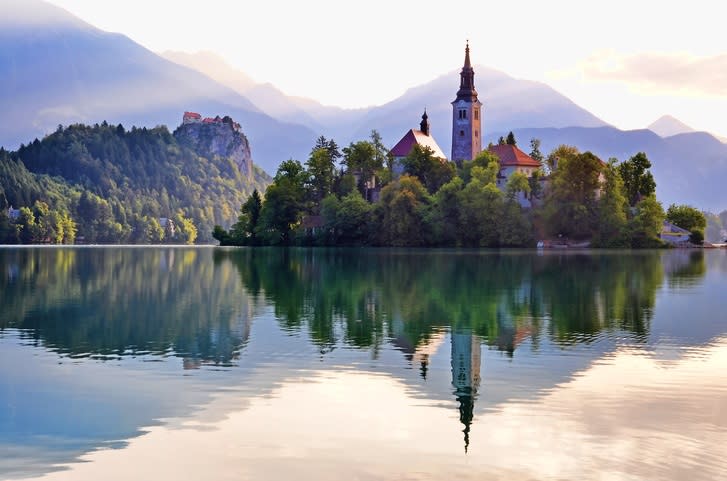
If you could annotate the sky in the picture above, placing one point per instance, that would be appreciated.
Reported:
(628, 62)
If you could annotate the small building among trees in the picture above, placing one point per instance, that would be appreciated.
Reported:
(422, 138)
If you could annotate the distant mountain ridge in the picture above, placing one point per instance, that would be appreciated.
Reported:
(507, 102)
(67, 71)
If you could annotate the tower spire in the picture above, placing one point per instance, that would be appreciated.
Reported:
(467, 79)
(467, 63)
(424, 125)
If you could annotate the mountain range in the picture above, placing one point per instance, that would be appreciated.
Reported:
(58, 69)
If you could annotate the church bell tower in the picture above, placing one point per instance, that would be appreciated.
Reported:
(466, 116)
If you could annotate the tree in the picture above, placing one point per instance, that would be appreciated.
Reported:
(535, 151)
(186, 230)
(571, 205)
(220, 234)
(480, 204)
(330, 146)
(516, 230)
(403, 208)
(432, 171)
(486, 160)
(381, 155)
(244, 231)
(612, 223)
(154, 232)
(501, 140)
(646, 223)
(637, 179)
(445, 213)
(29, 229)
(363, 161)
(284, 202)
(348, 220)
(511, 139)
(562, 152)
(689, 218)
(321, 168)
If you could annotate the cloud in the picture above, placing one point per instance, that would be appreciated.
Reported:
(671, 73)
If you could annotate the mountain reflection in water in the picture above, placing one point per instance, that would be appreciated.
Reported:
(165, 350)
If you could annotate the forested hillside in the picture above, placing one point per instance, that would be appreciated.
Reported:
(106, 184)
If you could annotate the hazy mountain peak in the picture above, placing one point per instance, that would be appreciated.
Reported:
(666, 126)
(214, 66)
(20, 14)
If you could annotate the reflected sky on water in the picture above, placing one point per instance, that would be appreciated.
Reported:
(200, 363)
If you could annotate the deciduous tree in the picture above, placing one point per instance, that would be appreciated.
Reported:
(637, 178)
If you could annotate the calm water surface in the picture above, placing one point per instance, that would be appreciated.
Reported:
(201, 363)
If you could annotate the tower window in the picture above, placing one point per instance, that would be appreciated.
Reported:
(461, 133)
(477, 114)
(476, 134)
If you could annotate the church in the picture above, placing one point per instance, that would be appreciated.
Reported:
(467, 116)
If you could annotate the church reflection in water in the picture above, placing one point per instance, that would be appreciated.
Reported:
(466, 376)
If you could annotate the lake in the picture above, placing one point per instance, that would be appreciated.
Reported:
(174, 363)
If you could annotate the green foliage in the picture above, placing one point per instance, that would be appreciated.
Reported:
(364, 160)
(535, 151)
(108, 183)
(696, 237)
(686, 217)
(638, 181)
(322, 169)
(516, 229)
(486, 160)
(347, 221)
(445, 214)
(432, 171)
(245, 230)
(402, 211)
(611, 230)
(571, 206)
(284, 203)
(647, 223)
(689, 218)
(480, 213)
(511, 139)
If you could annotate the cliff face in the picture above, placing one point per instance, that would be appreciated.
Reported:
(222, 137)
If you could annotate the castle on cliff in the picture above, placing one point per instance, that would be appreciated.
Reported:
(195, 118)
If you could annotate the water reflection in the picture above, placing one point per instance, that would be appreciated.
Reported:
(482, 334)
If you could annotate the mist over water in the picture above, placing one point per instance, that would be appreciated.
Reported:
(207, 363)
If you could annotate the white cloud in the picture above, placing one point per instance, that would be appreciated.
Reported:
(661, 73)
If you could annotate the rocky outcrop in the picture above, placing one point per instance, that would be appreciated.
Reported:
(217, 137)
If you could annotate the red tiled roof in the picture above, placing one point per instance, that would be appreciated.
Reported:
(192, 115)
(510, 155)
(412, 138)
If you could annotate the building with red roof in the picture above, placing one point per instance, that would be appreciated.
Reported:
(421, 137)
(512, 160)
(191, 118)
